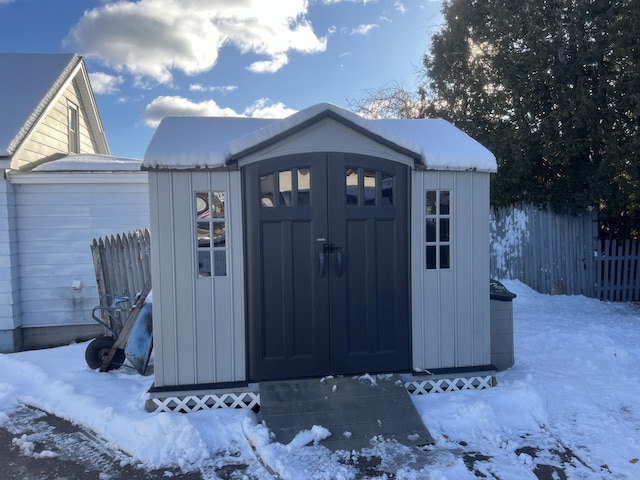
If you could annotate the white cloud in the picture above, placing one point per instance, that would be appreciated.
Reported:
(260, 109)
(165, 106)
(5, 2)
(269, 66)
(364, 29)
(196, 87)
(103, 83)
(152, 38)
(400, 7)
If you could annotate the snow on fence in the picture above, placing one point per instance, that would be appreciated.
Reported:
(618, 271)
(122, 263)
(561, 254)
(552, 253)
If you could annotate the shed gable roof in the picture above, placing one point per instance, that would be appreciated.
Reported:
(210, 142)
(30, 82)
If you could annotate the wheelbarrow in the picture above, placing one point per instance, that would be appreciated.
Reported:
(129, 333)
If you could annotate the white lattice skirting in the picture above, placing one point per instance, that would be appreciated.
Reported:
(195, 402)
(419, 386)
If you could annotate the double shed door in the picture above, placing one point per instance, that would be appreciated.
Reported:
(327, 266)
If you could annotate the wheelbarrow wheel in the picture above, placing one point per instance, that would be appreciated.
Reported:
(98, 350)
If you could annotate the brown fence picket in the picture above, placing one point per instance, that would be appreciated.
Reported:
(122, 263)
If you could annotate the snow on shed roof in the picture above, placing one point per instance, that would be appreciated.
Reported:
(27, 83)
(210, 142)
(90, 163)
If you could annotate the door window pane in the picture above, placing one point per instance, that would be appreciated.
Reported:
(369, 187)
(267, 187)
(387, 190)
(285, 188)
(352, 185)
(304, 187)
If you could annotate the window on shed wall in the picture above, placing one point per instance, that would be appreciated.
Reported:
(74, 128)
(211, 234)
(438, 229)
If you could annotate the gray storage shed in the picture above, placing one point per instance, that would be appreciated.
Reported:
(319, 244)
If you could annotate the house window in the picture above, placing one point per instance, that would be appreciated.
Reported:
(438, 229)
(74, 129)
(211, 229)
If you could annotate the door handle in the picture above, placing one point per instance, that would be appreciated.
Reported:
(340, 261)
(322, 264)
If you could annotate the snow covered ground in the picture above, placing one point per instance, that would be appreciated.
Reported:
(569, 408)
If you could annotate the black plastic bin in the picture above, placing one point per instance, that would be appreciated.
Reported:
(502, 356)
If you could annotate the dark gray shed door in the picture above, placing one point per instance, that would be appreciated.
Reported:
(327, 266)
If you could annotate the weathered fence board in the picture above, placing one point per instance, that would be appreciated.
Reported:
(122, 263)
(618, 271)
(550, 252)
(561, 254)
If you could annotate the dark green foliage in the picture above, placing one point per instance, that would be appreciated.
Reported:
(552, 88)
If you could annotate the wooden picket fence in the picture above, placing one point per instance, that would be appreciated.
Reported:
(561, 254)
(122, 263)
(550, 252)
(618, 271)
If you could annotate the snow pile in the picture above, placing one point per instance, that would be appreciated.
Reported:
(569, 407)
(90, 163)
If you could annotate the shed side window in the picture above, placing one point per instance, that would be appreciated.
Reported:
(211, 229)
(438, 229)
(74, 128)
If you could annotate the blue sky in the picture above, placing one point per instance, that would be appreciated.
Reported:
(263, 58)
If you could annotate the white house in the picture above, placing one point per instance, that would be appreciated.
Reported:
(320, 244)
(60, 188)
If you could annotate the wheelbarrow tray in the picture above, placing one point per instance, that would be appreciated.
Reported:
(140, 343)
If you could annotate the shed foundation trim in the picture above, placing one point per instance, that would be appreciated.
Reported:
(189, 399)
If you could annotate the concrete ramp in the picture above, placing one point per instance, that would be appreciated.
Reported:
(353, 409)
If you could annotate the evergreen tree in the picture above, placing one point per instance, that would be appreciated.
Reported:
(552, 88)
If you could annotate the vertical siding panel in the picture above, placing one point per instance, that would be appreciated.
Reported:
(223, 330)
(418, 336)
(183, 253)
(450, 327)
(236, 255)
(483, 333)
(465, 243)
(204, 303)
(161, 327)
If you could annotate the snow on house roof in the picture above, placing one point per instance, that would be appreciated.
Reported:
(90, 163)
(27, 84)
(210, 142)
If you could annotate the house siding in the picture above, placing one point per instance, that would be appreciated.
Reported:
(51, 134)
(57, 217)
(9, 278)
(451, 318)
(198, 321)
